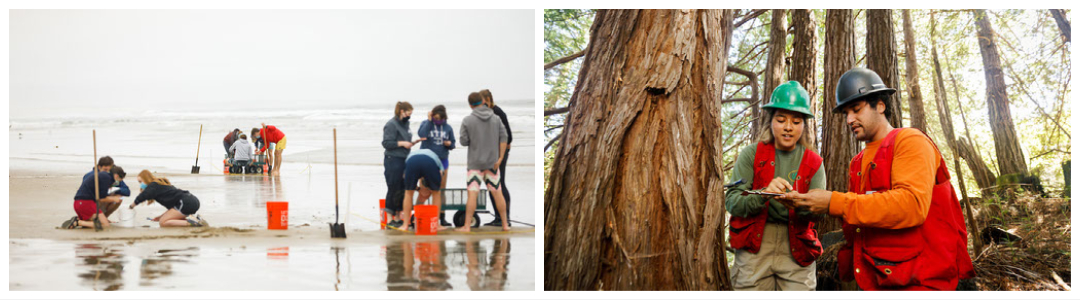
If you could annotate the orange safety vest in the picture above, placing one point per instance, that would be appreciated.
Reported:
(931, 256)
(746, 232)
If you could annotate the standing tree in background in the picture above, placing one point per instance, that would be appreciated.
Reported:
(838, 144)
(881, 57)
(1063, 24)
(804, 57)
(774, 66)
(1010, 156)
(915, 100)
(634, 198)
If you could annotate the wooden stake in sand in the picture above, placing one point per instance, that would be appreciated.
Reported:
(97, 187)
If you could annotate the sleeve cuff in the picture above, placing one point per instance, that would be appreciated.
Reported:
(837, 204)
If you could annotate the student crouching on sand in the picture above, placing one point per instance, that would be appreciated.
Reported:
(85, 207)
(776, 245)
(421, 164)
(438, 137)
(180, 203)
(482, 131)
(241, 151)
(397, 140)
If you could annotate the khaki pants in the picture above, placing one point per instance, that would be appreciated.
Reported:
(772, 268)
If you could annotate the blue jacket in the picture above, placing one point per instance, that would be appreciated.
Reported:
(86, 190)
(436, 135)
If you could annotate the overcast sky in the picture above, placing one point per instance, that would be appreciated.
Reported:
(65, 62)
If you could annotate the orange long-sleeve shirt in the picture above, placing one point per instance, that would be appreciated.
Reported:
(906, 204)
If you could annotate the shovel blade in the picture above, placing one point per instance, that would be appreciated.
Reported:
(337, 230)
(194, 169)
(97, 223)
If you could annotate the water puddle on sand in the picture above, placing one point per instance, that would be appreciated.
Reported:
(467, 264)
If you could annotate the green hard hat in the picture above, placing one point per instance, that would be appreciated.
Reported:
(791, 96)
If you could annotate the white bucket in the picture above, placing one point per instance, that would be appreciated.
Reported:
(127, 217)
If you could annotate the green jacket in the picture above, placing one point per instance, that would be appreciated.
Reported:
(787, 165)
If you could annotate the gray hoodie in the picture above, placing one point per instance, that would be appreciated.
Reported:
(482, 131)
(395, 131)
(242, 148)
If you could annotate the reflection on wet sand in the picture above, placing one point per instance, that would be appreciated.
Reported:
(160, 265)
(105, 266)
(423, 266)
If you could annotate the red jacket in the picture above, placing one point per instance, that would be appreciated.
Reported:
(746, 232)
(930, 256)
(272, 135)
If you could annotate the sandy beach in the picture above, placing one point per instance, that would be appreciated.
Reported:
(47, 163)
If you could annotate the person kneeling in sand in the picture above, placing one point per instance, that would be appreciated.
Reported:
(180, 203)
(425, 164)
(85, 206)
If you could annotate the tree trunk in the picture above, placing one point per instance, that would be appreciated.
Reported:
(635, 198)
(774, 65)
(915, 100)
(1063, 24)
(1010, 156)
(984, 178)
(804, 58)
(838, 144)
(881, 57)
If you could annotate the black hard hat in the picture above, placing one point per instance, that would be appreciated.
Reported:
(857, 83)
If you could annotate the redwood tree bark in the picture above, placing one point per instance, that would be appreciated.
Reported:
(804, 58)
(634, 198)
(1010, 156)
(915, 100)
(881, 57)
(838, 144)
(774, 65)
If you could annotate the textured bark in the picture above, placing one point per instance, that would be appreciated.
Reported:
(804, 57)
(1010, 156)
(635, 199)
(774, 65)
(838, 145)
(915, 100)
(1062, 23)
(984, 178)
(881, 57)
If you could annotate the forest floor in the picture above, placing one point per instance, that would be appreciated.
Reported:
(1040, 260)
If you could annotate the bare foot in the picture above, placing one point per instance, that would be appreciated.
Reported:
(441, 228)
(506, 228)
(462, 229)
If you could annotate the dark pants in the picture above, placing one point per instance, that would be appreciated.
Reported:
(394, 171)
(227, 145)
(505, 190)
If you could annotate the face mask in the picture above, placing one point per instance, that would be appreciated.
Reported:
(142, 186)
(406, 119)
(439, 122)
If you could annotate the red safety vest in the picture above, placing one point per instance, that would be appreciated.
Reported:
(746, 232)
(931, 256)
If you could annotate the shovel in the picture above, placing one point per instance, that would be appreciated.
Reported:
(337, 230)
(195, 168)
(97, 187)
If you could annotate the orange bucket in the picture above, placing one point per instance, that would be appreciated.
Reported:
(382, 213)
(426, 216)
(277, 214)
(428, 252)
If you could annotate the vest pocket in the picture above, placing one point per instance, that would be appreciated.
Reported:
(740, 233)
(893, 267)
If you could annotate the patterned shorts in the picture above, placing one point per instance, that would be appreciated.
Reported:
(489, 177)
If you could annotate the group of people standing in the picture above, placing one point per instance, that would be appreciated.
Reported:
(485, 131)
(901, 218)
(243, 152)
